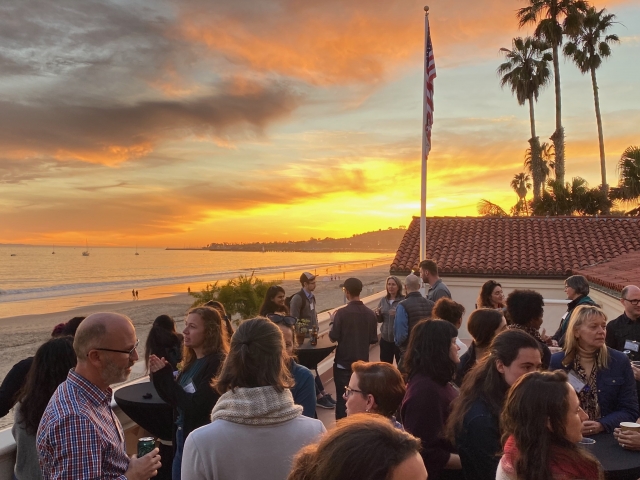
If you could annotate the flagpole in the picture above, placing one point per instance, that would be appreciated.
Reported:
(425, 146)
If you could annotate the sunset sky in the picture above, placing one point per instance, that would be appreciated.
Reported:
(167, 123)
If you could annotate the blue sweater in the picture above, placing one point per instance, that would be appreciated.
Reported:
(304, 391)
(617, 394)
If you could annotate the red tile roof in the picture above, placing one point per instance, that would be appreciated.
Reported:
(532, 246)
(614, 274)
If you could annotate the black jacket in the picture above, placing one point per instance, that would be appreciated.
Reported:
(196, 406)
(12, 384)
(467, 361)
(479, 442)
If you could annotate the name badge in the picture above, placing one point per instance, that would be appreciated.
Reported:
(577, 384)
(632, 345)
(190, 388)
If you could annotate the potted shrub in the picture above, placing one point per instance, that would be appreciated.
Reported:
(302, 330)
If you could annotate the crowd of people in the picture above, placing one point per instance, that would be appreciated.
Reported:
(503, 407)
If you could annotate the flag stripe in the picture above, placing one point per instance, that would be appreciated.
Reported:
(430, 75)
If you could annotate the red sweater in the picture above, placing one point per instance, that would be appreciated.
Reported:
(424, 412)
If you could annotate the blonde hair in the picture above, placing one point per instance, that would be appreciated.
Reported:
(580, 316)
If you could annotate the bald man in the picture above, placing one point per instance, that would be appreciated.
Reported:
(410, 311)
(623, 331)
(79, 436)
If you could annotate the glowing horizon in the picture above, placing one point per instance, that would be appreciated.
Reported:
(183, 124)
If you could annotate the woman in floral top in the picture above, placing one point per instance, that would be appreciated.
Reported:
(601, 376)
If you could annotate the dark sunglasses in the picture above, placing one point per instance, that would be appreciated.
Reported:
(286, 319)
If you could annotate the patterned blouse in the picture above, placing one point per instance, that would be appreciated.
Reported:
(589, 394)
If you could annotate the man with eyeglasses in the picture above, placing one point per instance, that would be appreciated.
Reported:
(79, 436)
(623, 333)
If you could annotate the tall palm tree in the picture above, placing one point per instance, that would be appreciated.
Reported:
(521, 184)
(526, 71)
(545, 166)
(548, 15)
(588, 46)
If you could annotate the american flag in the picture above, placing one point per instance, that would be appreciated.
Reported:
(429, 76)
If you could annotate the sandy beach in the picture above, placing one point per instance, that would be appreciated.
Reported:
(21, 335)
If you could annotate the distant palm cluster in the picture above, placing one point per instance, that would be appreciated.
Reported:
(528, 69)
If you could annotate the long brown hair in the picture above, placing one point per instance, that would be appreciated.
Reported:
(362, 446)
(215, 336)
(535, 414)
(49, 369)
(485, 382)
(257, 358)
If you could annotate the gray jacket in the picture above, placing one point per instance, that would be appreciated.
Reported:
(387, 317)
(27, 462)
(301, 308)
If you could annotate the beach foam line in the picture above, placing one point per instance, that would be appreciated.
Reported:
(270, 272)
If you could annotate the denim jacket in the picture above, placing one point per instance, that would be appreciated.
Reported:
(617, 395)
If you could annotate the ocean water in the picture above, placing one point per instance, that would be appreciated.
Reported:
(29, 273)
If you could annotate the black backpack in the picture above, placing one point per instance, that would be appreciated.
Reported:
(287, 300)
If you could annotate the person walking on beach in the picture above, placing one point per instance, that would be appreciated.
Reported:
(79, 436)
(136, 294)
(354, 327)
(429, 275)
(410, 311)
(133, 294)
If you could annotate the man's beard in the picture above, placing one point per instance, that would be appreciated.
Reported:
(114, 374)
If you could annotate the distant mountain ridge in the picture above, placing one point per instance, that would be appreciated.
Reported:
(380, 241)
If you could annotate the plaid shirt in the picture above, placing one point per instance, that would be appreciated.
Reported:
(79, 437)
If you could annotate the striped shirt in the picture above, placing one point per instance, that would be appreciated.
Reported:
(79, 436)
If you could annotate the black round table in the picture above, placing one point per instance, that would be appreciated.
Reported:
(311, 355)
(617, 462)
(151, 413)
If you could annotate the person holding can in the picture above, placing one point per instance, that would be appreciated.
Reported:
(206, 345)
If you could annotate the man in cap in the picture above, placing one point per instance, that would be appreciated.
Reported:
(354, 327)
(303, 305)
(79, 436)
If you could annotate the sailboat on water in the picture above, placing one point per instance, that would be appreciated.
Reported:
(86, 252)
(54, 250)
(137, 249)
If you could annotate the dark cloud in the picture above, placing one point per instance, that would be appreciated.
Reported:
(111, 134)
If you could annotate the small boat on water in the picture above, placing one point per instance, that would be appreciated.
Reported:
(13, 254)
(54, 250)
(137, 249)
(86, 252)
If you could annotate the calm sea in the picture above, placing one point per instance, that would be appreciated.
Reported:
(34, 272)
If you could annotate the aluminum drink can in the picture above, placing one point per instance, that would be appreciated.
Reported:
(145, 445)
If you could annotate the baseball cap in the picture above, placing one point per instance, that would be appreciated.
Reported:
(307, 277)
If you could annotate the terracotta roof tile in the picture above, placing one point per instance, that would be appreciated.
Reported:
(532, 246)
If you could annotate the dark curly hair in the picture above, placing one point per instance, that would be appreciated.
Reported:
(524, 306)
(50, 367)
(428, 351)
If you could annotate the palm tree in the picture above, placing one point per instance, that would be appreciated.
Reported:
(521, 184)
(546, 164)
(628, 188)
(526, 71)
(490, 209)
(548, 14)
(588, 46)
